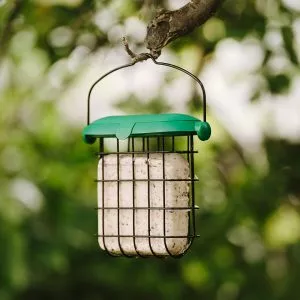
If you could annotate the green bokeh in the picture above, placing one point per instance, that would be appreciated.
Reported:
(248, 219)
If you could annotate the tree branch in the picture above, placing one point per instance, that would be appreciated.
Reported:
(167, 26)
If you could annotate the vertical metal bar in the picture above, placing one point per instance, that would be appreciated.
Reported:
(118, 197)
(128, 145)
(173, 143)
(133, 199)
(188, 149)
(149, 199)
(193, 187)
(164, 197)
(101, 150)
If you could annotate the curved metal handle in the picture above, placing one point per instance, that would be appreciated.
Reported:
(157, 63)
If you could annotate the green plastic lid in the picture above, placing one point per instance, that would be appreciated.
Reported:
(123, 127)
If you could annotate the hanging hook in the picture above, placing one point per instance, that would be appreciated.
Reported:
(143, 57)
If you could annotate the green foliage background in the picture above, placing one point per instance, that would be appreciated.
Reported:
(248, 219)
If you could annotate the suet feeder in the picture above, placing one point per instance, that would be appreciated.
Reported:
(146, 194)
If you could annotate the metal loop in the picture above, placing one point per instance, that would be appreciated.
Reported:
(157, 63)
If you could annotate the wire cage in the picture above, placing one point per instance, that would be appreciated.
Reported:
(146, 180)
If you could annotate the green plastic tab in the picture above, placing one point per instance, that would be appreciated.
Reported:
(123, 127)
(203, 130)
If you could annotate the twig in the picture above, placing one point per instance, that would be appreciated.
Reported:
(135, 57)
(128, 50)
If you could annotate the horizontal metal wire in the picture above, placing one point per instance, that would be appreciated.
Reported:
(144, 152)
(146, 256)
(147, 208)
(148, 236)
(144, 180)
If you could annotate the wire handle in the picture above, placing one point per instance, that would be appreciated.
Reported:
(157, 63)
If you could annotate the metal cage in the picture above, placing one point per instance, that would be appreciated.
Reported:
(149, 145)
(138, 215)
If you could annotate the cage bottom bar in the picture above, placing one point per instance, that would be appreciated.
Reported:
(151, 236)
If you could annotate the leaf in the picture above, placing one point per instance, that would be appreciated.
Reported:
(278, 84)
(288, 39)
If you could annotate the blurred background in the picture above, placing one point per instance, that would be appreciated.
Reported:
(247, 55)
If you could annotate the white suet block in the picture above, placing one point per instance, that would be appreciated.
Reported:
(176, 195)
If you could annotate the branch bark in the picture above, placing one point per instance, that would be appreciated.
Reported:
(167, 26)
